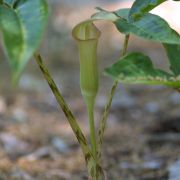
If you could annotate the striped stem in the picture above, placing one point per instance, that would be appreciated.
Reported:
(70, 117)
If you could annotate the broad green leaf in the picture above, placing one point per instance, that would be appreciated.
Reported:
(22, 29)
(109, 16)
(122, 13)
(136, 68)
(104, 15)
(150, 27)
(141, 7)
(173, 53)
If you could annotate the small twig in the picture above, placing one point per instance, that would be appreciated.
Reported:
(103, 120)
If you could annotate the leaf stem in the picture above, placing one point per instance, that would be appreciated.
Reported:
(125, 45)
(104, 116)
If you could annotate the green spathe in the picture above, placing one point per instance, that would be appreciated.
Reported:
(87, 36)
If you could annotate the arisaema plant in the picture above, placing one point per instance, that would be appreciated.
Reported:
(22, 23)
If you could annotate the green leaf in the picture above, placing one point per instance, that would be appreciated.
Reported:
(22, 29)
(136, 68)
(9, 2)
(122, 13)
(141, 7)
(173, 53)
(104, 15)
(150, 27)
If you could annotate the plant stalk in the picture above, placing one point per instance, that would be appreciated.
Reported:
(92, 158)
(94, 169)
(104, 116)
(69, 115)
(92, 129)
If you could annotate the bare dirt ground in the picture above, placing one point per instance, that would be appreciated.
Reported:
(142, 138)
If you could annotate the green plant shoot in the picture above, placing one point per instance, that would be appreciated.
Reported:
(87, 36)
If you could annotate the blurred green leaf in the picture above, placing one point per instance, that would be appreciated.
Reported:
(22, 28)
(150, 27)
(104, 15)
(173, 53)
(9, 2)
(110, 16)
(136, 68)
(122, 13)
(141, 7)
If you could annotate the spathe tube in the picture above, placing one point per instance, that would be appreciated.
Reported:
(87, 36)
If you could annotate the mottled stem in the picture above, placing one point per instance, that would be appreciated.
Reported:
(94, 169)
(70, 117)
